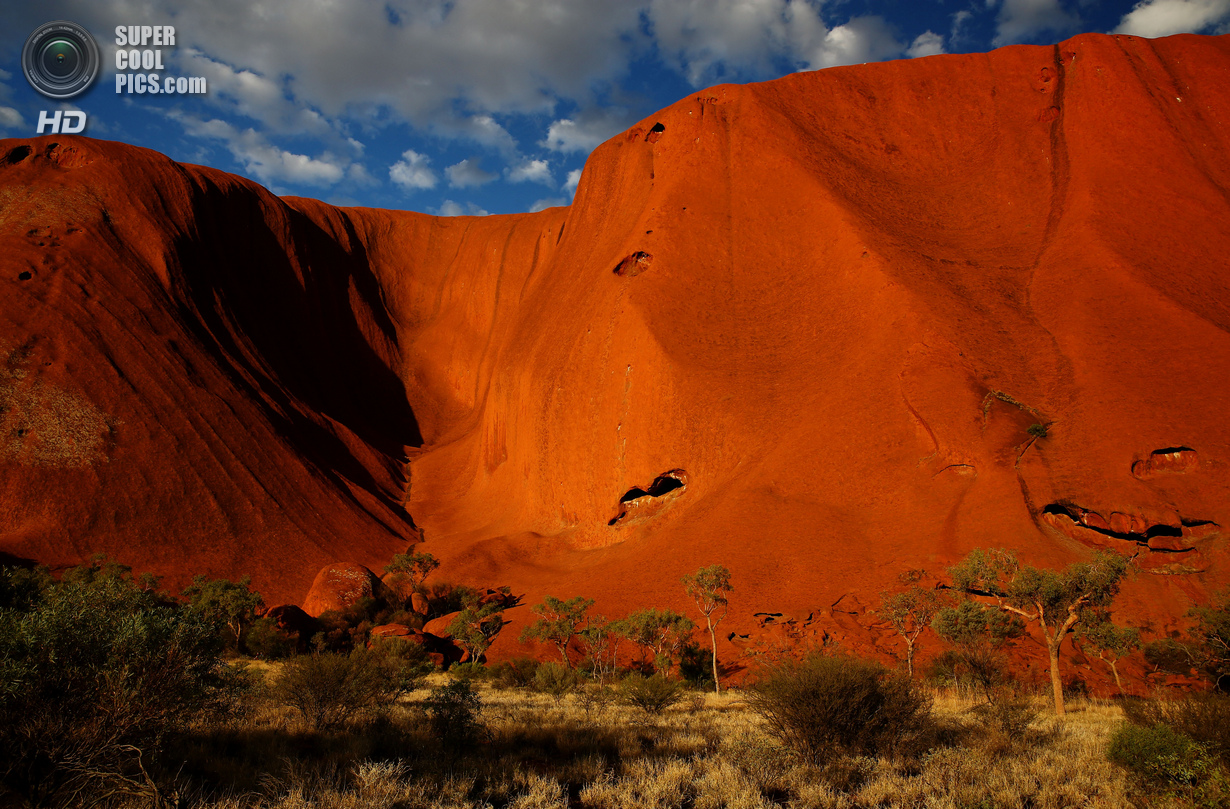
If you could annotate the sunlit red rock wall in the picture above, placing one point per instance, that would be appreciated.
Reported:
(800, 328)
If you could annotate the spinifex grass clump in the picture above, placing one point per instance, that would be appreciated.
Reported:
(824, 706)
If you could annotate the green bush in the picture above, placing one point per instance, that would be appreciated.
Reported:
(1203, 717)
(468, 671)
(516, 673)
(264, 640)
(95, 673)
(1159, 755)
(454, 714)
(653, 695)
(836, 705)
(555, 679)
(330, 689)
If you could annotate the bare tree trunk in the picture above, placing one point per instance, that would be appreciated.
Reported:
(717, 686)
(909, 656)
(1052, 648)
(1114, 669)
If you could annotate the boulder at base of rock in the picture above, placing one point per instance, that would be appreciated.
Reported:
(340, 586)
(418, 604)
(439, 626)
(441, 651)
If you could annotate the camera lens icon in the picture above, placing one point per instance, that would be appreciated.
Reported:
(60, 59)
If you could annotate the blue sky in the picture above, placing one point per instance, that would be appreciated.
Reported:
(491, 106)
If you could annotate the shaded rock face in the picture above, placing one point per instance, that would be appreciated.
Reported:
(880, 314)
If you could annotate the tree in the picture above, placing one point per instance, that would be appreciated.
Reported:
(1212, 638)
(477, 625)
(1111, 642)
(416, 566)
(708, 588)
(600, 638)
(910, 612)
(226, 603)
(1057, 600)
(978, 632)
(662, 632)
(558, 623)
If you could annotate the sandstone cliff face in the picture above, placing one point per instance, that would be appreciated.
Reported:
(801, 328)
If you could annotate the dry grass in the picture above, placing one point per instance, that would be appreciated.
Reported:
(707, 752)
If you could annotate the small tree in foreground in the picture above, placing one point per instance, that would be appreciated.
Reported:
(662, 632)
(978, 633)
(476, 626)
(910, 612)
(1057, 600)
(230, 603)
(708, 588)
(558, 623)
(1112, 643)
(415, 566)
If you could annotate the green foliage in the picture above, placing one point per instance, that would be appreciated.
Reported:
(695, 665)
(1203, 717)
(824, 706)
(653, 694)
(516, 673)
(21, 588)
(266, 641)
(555, 679)
(226, 603)
(708, 588)
(1211, 637)
(1168, 655)
(416, 566)
(331, 690)
(600, 640)
(978, 632)
(94, 673)
(1160, 755)
(558, 622)
(477, 625)
(454, 714)
(443, 598)
(1037, 430)
(910, 611)
(468, 671)
(660, 633)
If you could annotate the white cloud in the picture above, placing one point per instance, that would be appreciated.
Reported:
(11, 118)
(1023, 20)
(263, 159)
(1161, 18)
(863, 39)
(412, 171)
(451, 208)
(583, 133)
(574, 179)
(532, 171)
(468, 173)
(927, 43)
(550, 202)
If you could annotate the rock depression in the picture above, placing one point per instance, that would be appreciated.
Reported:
(821, 330)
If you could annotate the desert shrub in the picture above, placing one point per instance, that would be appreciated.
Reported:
(1169, 655)
(516, 673)
(653, 695)
(454, 714)
(695, 665)
(443, 598)
(825, 705)
(95, 673)
(263, 639)
(555, 679)
(468, 671)
(1204, 718)
(1160, 755)
(330, 689)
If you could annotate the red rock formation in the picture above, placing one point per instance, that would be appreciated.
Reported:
(341, 586)
(894, 312)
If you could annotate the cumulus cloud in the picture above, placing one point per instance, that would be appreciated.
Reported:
(467, 174)
(11, 118)
(531, 171)
(585, 131)
(927, 43)
(574, 179)
(550, 202)
(1024, 20)
(412, 171)
(261, 158)
(451, 208)
(1161, 18)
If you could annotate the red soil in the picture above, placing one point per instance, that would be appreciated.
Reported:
(833, 303)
